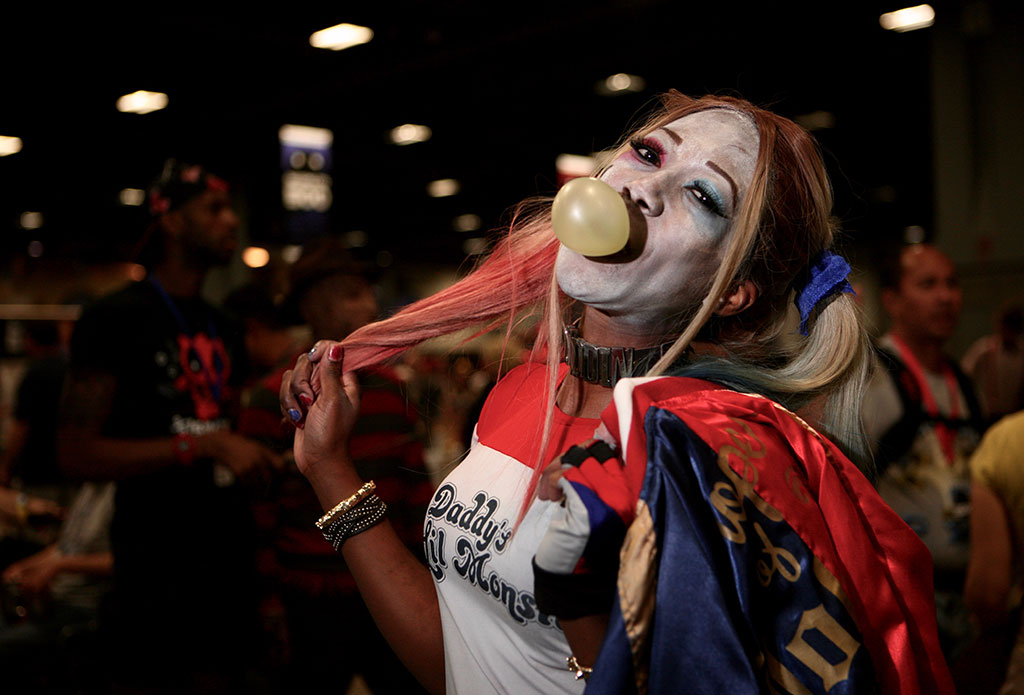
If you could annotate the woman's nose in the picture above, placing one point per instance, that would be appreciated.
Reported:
(644, 192)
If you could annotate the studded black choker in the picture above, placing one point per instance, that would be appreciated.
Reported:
(606, 365)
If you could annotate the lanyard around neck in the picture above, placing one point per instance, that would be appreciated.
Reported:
(947, 437)
(215, 376)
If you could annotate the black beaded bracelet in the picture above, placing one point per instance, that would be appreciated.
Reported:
(366, 514)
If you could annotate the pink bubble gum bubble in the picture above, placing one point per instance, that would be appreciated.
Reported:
(590, 217)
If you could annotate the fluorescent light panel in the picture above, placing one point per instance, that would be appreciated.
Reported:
(340, 37)
(908, 19)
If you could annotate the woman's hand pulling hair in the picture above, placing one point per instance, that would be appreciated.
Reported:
(323, 403)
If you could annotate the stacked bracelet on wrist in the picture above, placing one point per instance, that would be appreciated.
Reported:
(352, 516)
(367, 514)
(346, 504)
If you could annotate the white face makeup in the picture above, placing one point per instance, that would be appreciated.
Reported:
(685, 182)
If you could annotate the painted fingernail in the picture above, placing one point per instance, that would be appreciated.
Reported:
(313, 349)
(294, 414)
(306, 400)
(335, 353)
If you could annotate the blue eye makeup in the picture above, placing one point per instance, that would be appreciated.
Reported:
(649, 151)
(707, 195)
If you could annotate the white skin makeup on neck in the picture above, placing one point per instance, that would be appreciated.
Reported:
(682, 184)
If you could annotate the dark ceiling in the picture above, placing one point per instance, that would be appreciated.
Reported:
(505, 88)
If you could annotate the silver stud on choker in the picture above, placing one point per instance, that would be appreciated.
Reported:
(606, 365)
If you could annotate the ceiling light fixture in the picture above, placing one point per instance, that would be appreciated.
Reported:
(142, 101)
(255, 257)
(620, 83)
(466, 223)
(340, 37)
(908, 19)
(31, 220)
(305, 136)
(409, 134)
(442, 188)
(9, 145)
(356, 239)
(132, 196)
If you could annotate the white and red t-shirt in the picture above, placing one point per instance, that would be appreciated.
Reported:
(495, 639)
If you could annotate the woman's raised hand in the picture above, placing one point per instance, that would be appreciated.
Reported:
(322, 402)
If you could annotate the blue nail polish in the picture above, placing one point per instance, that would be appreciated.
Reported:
(294, 414)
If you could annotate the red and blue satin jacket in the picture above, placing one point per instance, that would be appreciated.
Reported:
(756, 557)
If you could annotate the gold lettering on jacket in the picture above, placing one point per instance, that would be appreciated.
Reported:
(780, 560)
(819, 619)
(780, 680)
(727, 496)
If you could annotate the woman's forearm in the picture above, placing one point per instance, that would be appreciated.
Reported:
(400, 594)
(396, 587)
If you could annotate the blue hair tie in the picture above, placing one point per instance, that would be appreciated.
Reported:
(826, 276)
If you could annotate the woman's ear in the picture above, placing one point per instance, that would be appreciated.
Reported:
(738, 299)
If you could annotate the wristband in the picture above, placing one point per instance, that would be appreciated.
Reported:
(185, 448)
(365, 514)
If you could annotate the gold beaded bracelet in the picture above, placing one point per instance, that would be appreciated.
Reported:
(581, 672)
(346, 504)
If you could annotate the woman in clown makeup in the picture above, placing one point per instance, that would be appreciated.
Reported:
(642, 509)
